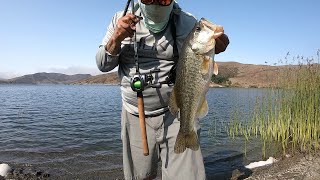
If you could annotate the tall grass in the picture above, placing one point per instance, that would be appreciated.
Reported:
(289, 115)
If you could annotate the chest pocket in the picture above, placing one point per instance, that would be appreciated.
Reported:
(156, 46)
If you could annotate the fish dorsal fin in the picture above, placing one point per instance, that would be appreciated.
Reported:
(215, 69)
(173, 106)
(203, 108)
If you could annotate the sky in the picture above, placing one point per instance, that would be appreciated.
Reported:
(63, 35)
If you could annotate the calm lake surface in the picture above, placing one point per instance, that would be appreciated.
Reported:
(74, 130)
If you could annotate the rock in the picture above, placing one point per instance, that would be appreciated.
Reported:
(236, 174)
(28, 172)
(288, 156)
(17, 172)
(261, 163)
(4, 169)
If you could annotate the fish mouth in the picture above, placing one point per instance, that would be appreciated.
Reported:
(207, 39)
(214, 27)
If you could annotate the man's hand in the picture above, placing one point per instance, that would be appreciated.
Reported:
(221, 43)
(125, 28)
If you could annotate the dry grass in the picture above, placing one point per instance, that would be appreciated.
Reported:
(289, 115)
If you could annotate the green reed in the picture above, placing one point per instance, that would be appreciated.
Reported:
(289, 115)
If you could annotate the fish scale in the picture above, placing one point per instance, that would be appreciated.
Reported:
(192, 80)
(194, 71)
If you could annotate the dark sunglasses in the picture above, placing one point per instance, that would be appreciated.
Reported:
(160, 2)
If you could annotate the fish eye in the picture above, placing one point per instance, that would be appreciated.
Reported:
(198, 28)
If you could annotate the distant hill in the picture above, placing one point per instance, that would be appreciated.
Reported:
(249, 75)
(232, 74)
(108, 78)
(235, 74)
(43, 78)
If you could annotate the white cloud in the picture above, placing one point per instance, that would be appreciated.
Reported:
(73, 70)
(9, 75)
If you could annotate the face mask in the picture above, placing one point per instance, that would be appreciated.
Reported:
(156, 17)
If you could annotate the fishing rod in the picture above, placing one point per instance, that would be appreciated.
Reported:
(138, 82)
(126, 8)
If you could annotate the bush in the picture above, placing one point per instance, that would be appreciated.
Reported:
(224, 75)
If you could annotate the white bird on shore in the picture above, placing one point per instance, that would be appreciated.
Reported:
(261, 163)
(4, 169)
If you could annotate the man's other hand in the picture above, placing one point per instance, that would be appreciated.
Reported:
(222, 43)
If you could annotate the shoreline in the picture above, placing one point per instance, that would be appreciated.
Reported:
(299, 166)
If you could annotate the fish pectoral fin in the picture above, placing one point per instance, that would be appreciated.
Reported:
(205, 66)
(189, 140)
(173, 106)
(215, 69)
(203, 108)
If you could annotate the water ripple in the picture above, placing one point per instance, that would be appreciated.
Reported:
(62, 127)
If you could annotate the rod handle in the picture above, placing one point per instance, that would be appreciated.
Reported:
(142, 124)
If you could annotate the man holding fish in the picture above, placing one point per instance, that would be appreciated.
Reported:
(166, 36)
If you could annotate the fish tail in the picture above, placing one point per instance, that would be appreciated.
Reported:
(184, 141)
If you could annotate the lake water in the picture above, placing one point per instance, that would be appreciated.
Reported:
(74, 130)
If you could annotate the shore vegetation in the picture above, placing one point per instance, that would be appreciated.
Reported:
(288, 116)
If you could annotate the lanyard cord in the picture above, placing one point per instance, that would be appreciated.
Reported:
(141, 81)
(135, 43)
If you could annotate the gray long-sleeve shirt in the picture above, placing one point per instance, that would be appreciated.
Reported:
(154, 51)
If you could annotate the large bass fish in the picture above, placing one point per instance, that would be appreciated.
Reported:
(194, 70)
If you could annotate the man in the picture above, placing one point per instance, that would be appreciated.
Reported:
(160, 36)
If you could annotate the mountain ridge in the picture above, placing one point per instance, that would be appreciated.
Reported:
(46, 78)
(234, 74)
(231, 74)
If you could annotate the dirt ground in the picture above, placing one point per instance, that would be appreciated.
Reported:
(297, 167)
